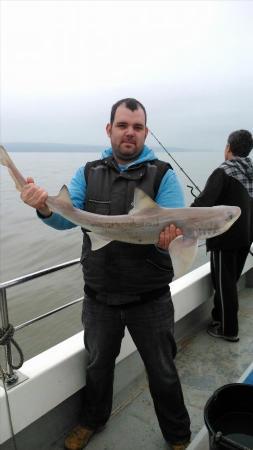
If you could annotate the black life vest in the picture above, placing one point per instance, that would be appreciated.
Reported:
(133, 271)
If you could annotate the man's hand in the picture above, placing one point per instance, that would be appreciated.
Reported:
(35, 197)
(167, 236)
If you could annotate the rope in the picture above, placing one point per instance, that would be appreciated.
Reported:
(6, 336)
(3, 374)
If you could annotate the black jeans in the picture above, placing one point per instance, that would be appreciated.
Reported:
(151, 326)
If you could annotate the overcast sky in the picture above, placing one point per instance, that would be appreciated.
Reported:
(64, 63)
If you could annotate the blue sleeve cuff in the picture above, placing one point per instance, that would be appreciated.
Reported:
(56, 221)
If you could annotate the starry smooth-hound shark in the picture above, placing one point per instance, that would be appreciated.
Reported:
(144, 223)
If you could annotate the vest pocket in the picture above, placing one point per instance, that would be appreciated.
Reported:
(98, 206)
(160, 259)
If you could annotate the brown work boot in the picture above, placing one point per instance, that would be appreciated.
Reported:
(78, 438)
(179, 445)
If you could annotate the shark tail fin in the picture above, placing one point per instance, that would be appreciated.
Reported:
(6, 161)
(16, 181)
(4, 157)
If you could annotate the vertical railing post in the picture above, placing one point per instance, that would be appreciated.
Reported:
(11, 376)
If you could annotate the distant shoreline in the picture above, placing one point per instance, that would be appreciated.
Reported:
(50, 147)
(79, 148)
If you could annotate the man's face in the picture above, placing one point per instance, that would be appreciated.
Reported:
(127, 133)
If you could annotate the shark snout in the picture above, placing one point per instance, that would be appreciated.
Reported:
(233, 214)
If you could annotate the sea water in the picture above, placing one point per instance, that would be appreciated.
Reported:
(28, 245)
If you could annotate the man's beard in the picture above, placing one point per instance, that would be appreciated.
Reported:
(124, 156)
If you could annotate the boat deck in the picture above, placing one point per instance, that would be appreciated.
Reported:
(204, 364)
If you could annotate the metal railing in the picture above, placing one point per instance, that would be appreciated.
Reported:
(11, 376)
(7, 330)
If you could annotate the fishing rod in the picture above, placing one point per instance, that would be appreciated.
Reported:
(178, 165)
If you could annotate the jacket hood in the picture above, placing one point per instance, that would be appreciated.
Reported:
(239, 166)
(146, 155)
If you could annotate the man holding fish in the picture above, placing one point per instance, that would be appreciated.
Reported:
(125, 284)
(127, 198)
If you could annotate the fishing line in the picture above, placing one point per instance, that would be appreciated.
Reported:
(178, 165)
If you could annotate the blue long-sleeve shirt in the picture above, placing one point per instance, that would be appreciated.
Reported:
(169, 195)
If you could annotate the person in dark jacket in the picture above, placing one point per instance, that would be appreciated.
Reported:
(126, 285)
(230, 184)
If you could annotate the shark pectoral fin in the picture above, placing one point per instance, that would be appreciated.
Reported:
(182, 252)
(97, 241)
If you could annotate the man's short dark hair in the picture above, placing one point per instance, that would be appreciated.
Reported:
(240, 142)
(130, 103)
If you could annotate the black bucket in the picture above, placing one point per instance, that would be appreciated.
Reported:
(228, 415)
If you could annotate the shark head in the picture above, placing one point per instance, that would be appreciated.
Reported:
(228, 215)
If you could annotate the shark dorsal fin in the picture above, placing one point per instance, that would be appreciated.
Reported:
(64, 195)
(142, 201)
